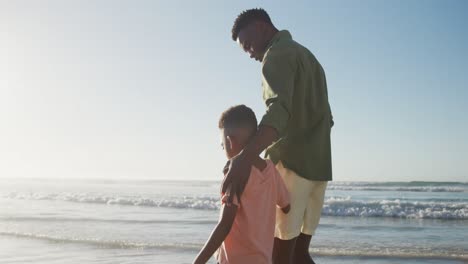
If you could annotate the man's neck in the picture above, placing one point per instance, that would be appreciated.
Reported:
(271, 34)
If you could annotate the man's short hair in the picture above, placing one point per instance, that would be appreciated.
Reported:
(239, 116)
(248, 16)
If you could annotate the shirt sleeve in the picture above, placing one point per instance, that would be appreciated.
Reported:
(282, 193)
(278, 74)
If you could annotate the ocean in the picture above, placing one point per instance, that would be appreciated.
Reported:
(149, 221)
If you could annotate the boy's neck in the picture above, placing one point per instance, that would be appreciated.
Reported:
(259, 163)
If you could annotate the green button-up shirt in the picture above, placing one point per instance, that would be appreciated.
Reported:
(296, 97)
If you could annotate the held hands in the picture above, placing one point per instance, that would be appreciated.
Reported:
(237, 172)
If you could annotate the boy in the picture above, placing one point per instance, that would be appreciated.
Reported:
(245, 231)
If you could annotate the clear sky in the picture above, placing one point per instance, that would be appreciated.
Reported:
(134, 89)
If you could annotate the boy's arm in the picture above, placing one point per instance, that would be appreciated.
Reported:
(283, 198)
(219, 234)
(286, 209)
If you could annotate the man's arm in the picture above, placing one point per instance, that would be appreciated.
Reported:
(264, 137)
(241, 164)
(278, 74)
(218, 235)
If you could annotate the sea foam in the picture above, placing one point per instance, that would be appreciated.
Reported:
(333, 206)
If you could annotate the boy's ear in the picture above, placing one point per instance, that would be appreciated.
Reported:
(231, 141)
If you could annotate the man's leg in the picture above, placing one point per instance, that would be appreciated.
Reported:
(311, 221)
(301, 250)
(283, 251)
(288, 226)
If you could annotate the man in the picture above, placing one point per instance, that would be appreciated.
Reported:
(294, 131)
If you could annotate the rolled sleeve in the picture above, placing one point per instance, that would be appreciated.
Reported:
(278, 73)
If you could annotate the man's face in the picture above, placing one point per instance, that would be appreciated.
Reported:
(251, 40)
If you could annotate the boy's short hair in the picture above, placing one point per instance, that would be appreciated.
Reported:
(248, 16)
(239, 116)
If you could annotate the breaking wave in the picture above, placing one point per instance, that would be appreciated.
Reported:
(333, 206)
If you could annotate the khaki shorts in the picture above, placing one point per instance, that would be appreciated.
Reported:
(306, 205)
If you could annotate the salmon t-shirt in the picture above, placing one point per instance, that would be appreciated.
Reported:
(252, 234)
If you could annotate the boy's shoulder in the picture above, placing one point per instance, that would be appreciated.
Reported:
(264, 175)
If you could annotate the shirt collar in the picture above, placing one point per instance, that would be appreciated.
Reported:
(280, 35)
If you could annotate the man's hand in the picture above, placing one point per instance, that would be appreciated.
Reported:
(238, 168)
(237, 175)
